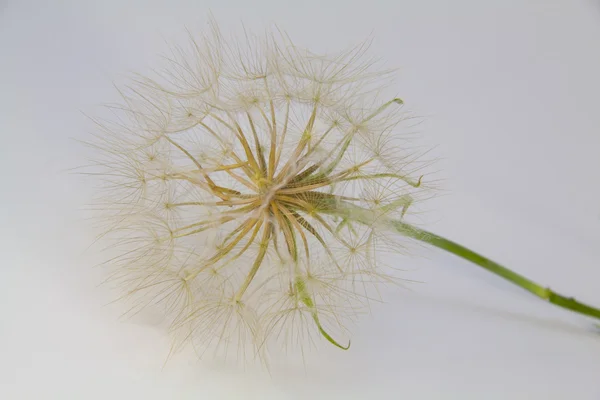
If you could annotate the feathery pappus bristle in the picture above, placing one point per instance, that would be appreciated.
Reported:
(217, 181)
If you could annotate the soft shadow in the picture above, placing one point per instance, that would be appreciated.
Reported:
(586, 328)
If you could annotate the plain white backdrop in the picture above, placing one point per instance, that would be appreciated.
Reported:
(509, 95)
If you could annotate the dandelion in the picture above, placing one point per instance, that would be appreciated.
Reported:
(251, 190)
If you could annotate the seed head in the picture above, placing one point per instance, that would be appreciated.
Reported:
(221, 177)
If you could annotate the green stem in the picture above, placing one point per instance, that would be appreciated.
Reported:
(367, 217)
(542, 292)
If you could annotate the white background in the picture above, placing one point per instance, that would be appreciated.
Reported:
(509, 92)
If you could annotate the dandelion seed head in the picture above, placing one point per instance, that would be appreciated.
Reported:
(218, 177)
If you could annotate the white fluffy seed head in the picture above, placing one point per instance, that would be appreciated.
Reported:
(219, 178)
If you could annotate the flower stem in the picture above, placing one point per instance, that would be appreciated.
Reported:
(452, 247)
(368, 217)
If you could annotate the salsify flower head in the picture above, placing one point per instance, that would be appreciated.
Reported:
(222, 177)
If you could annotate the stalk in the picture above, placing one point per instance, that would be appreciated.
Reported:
(368, 217)
(544, 293)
